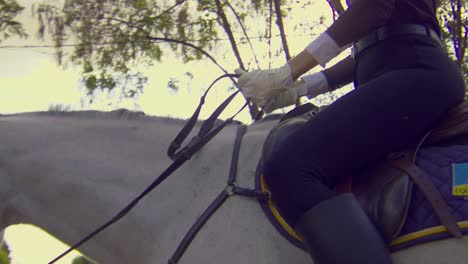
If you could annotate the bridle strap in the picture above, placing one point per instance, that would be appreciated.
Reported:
(207, 124)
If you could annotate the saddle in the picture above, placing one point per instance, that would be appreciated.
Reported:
(384, 189)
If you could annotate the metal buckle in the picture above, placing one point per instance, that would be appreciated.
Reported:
(230, 189)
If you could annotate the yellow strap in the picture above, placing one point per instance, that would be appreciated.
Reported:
(424, 233)
(277, 216)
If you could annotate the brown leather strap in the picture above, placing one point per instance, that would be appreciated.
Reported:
(434, 197)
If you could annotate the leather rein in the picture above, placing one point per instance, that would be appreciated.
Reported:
(179, 157)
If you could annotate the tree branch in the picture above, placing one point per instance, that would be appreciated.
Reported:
(462, 37)
(244, 31)
(178, 3)
(270, 19)
(227, 28)
(253, 108)
(279, 22)
(180, 42)
(169, 40)
(456, 31)
(459, 33)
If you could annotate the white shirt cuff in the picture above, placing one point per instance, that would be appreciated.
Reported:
(324, 48)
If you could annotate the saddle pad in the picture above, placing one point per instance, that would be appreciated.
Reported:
(422, 225)
(444, 165)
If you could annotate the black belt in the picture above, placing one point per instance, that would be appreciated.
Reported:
(389, 31)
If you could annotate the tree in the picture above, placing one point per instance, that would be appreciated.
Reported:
(59, 108)
(9, 9)
(112, 36)
(453, 16)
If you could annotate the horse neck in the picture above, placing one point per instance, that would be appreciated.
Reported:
(66, 175)
(62, 173)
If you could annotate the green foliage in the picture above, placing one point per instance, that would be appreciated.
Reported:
(4, 259)
(173, 84)
(453, 16)
(257, 4)
(9, 9)
(81, 260)
(116, 37)
(59, 108)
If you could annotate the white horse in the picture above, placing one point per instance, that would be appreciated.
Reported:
(70, 172)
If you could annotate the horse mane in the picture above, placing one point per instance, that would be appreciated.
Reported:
(125, 114)
(120, 114)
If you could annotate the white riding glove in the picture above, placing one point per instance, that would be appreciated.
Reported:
(286, 97)
(316, 84)
(311, 86)
(260, 85)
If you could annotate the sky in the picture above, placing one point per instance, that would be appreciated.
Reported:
(31, 80)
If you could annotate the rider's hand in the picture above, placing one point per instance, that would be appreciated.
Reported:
(286, 97)
(260, 85)
(311, 86)
(316, 84)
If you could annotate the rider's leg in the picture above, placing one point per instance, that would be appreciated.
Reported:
(382, 115)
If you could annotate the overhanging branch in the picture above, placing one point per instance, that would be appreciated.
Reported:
(227, 28)
(164, 39)
(180, 42)
(244, 31)
(279, 22)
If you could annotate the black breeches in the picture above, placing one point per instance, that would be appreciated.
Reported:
(403, 87)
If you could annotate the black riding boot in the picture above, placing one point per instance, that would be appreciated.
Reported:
(337, 231)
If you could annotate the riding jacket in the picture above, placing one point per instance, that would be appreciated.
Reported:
(365, 16)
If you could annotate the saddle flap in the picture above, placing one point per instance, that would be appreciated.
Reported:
(384, 193)
(453, 126)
